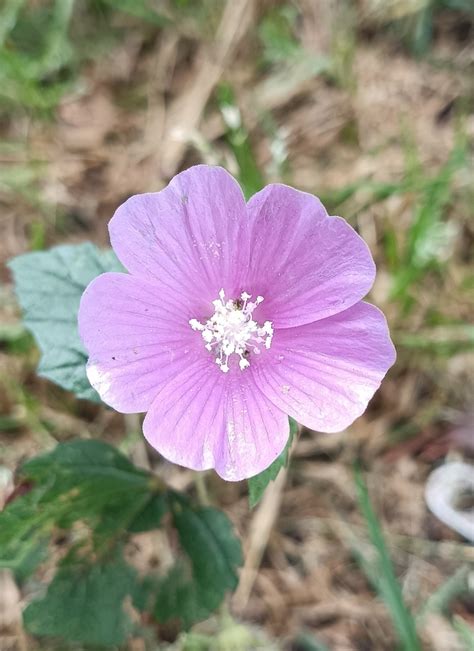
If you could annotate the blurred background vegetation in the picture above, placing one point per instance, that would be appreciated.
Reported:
(370, 105)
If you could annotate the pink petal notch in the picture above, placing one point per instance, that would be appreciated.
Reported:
(307, 264)
(232, 318)
(135, 337)
(324, 373)
(206, 419)
(193, 236)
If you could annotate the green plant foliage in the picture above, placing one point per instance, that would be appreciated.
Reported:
(151, 515)
(306, 642)
(142, 9)
(49, 285)
(258, 484)
(178, 598)
(428, 233)
(283, 50)
(84, 603)
(82, 480)
(250, 176)
(43, 45)
(91, 477)
(194, 588)
(442, 341)
(36, 49)
(277, 35)
(441, 599)
(382, 574)
(207, 537)
(426, 246)
(464, 631)
(98, 498)
(413, 23)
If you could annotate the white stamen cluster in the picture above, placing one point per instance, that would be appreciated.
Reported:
(231, 330)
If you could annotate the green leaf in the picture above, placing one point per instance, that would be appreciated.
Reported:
(36, 554)
(49, 286)
(144, 593)
(207, 537)
(258, 484)
(382, 573)
(190, 592)
(91, 480)
(77, 461)
(142, 9)
(178, 598)
(81, 480)
(84, 603)
(22, 525)
(151, 515)
(79, 466)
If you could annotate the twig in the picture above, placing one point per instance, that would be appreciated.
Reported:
(260, 529)
(201, 488)
(138, 453)
(186, 111)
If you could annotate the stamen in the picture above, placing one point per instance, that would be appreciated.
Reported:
(232, 331)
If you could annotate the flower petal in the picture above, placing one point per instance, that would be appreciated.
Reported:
(136, 334)
(204, 419)
(193, 235)
(306, 264)
(323, 374)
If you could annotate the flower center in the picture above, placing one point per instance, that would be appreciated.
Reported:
(232, 331)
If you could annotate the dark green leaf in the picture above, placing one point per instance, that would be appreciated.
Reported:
(144, 593)
(77, 461)
(85, 479)
(191, 592)
(49, 286)
(178, 598)
(27, 565)
(23, 547)
(151, 515)
(84, 603)
(81, 480)
(258, 484)
(22, 525)
(207, 537)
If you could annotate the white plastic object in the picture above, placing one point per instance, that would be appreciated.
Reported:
(444, 488)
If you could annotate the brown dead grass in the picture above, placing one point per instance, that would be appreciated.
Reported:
(133, 123)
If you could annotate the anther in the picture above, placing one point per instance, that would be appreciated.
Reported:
(232, 331)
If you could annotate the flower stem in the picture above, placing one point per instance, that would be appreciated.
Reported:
(201, 489)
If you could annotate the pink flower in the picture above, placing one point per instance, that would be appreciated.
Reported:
(231, 318)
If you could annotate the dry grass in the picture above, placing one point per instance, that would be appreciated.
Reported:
(348, 114)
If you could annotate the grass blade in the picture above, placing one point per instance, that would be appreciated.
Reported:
(250, 177)
(385, 579)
